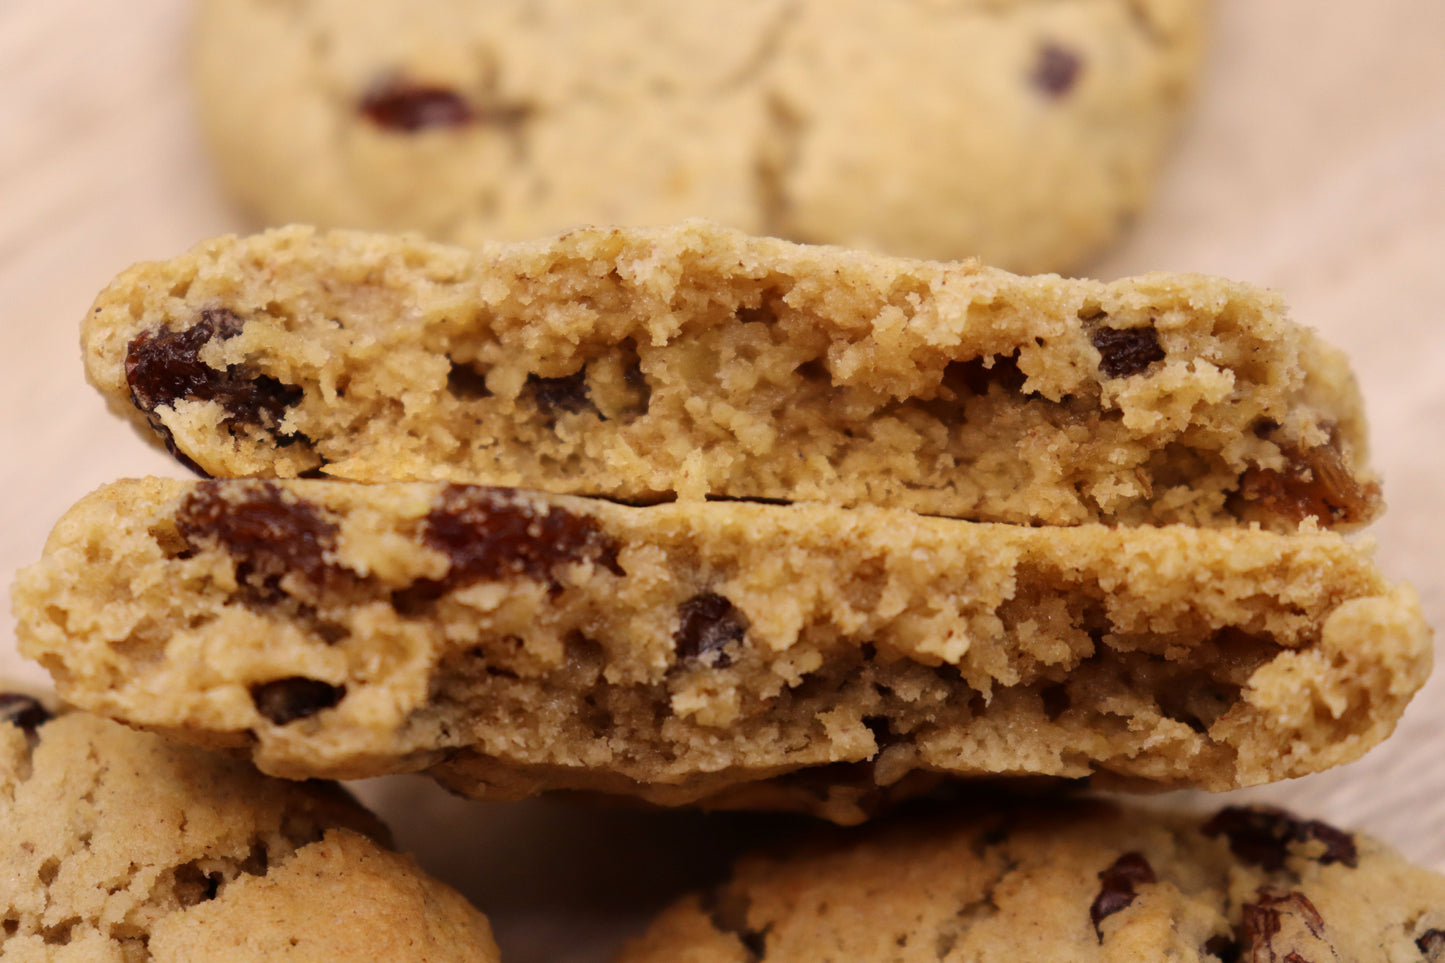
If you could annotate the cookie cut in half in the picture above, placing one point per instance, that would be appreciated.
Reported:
(118, 845)
(695, 361)
(1074, 881)
(733, 654)
(1028, 133)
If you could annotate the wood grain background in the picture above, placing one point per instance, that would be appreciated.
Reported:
(1314, 164)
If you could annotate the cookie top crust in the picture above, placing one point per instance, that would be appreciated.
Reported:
(695, 361)
(119, 845)
(729, 654)
(1027, 132)
(1073, 880)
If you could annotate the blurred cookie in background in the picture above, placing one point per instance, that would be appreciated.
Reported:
(1023, 132)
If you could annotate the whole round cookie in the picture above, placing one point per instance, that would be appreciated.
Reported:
(117, 845)
(1025, 132)
(1075, 881)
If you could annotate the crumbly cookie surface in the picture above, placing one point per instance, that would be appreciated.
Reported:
(1073, 881)
(692, 361)
(802, 656)
(1025, 132)
(120, 846)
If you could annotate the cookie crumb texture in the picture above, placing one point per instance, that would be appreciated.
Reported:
(695, 361)
(1025, 132)
(738, 654)
(120, 846)
(1072, 882)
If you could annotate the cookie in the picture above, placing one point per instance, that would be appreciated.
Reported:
(117, 845)
(1024, 132)
(1073, 882)
(730, 653)
(695, 361)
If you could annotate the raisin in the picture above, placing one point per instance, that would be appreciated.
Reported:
(706, 624)
(1315, 483)
(489, 534)
(1056, 70)
(467, 382)
(1126, 351)
(396, 103)
(1276, 923)
(1262, 837)
(287, 700)
(1432, 944)
(974, 377)
(568, 394)
(23, 711)
(165, 366)
(269, 533)
(399, 104)
(1118, 887)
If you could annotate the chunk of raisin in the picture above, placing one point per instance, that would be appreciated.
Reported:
(706, 624)
(1263, 837)
(1126, 351)
(403, 105)
(287, 700)
(489, 534)
(1118, 886)
(23, 711)
(1056, 70)
(1278, 926)
(269, 532)
(1432, 944)
(165, 366)
(399, 104)
(1314, 483)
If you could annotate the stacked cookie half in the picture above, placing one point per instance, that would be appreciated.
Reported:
(702, 518)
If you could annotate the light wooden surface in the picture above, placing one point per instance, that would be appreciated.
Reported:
(1314, 164)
